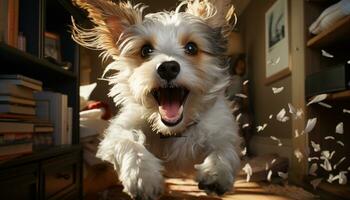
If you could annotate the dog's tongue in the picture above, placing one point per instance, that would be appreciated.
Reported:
(170, 104)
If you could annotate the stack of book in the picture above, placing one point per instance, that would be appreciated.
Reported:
(43, 134)
(17, 114)
(16, 138)
(31, 118)
(53, 107)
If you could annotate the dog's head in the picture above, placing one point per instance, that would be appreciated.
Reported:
(170, 64)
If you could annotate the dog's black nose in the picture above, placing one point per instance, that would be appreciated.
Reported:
(168, 70)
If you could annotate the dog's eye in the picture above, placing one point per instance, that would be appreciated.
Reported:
(146, 50)
(191, 48)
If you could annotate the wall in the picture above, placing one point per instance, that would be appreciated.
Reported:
(264, 102)
(91, 69)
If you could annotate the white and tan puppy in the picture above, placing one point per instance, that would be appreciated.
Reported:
(170, 76)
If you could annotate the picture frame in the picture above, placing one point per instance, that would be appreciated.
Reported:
(52, 46)
(277, 42)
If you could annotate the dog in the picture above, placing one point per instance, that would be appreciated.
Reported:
(170, 74)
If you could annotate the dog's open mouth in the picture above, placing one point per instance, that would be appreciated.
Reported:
(171, 102)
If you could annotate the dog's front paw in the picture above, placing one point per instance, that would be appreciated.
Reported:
(214, 180)
(143, 184)
(140, 174)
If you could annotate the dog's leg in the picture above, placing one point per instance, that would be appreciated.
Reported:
(138, 170)
(217, 173)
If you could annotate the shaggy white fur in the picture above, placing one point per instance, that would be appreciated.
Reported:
(186, 102)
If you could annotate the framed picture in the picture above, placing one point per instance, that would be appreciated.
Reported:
(277, 42)
(52, 47)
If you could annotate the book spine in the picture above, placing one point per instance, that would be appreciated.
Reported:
(4, 14)
(70, 124)
(64, 111)
(13, 142)
(12, 23)
(43, 140)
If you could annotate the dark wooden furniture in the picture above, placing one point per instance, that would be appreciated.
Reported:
(54, 172)
(335, 40)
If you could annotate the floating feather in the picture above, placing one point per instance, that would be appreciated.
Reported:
(340, 142)
(326, 54)
(298, 155)
(343, 180)
(339, 128)
(281, 116)
(324, 105)
(316, 182)
(313, 169)
(316, 147)
(284, 176)
(248, 170)
(241, 95)
(245, 125)
(329, 137)
(277, 90)
(317, 99)
(276, 139)
(339, 162)
(346, 111)
(310, 125)
(269, 175)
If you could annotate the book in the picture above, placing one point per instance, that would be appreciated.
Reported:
(15, 136)
(16, 100)
(9, 157)
(9, 116)
(12, 22)
(17, 141)
(21, 82)
(42, 140)
(16, 91)
(43, 129)
(16, 109)
(58, 108)
(16, 127)
(16, 149)
(20, 77)
(42, 109)
(70, 125)
(3, 20)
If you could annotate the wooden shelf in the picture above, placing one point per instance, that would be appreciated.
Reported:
(39, 155)
(338, 32)
(344, 95)
(327, 190)
(14, 60)
(337, 96)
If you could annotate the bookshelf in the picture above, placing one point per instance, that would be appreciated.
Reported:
(335, 39)
(337, 33)
(337, 96)
(54, 172)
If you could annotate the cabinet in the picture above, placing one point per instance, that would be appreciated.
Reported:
(336, 41)
(54, 172)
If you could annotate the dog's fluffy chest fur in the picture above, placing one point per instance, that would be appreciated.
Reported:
(180, 154)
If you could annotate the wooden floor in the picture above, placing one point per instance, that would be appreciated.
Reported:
(179, 189)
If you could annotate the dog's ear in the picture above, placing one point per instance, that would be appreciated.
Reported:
(216, 13)
(110, 20)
